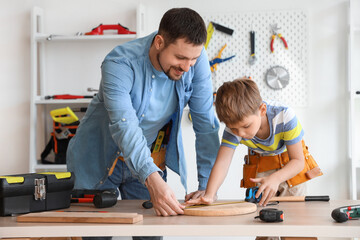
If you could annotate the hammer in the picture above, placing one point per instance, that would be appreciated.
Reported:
(102, 199)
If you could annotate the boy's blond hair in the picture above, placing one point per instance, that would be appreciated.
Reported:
(236, 100)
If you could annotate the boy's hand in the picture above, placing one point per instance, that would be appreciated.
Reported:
(194, 195)
(202, 200)
(268, 188)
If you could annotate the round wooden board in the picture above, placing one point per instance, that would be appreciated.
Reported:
(221, 209)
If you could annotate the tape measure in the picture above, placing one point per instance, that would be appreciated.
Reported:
(271, 215)
(250, 195)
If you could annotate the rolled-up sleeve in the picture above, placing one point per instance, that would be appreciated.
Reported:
(117, 82)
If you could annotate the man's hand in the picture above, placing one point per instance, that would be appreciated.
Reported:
(162, 197)
(268, 188)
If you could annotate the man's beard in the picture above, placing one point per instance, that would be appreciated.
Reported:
(167, 73)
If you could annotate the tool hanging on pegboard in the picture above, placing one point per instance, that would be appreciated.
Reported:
(215, 26)
(277, 77)
(275, 29)
(252, 58)
(214, 62)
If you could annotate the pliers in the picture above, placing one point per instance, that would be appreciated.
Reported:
(218, 59)
(275, 29)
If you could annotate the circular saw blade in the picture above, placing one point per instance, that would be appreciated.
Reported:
(277, 77)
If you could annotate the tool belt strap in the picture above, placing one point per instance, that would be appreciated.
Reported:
(159, 159)
(257, 164)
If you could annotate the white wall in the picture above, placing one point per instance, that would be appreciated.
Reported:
(324, 121)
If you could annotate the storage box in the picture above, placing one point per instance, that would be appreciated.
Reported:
(34, 192)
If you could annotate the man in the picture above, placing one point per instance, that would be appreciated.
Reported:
(146, 83)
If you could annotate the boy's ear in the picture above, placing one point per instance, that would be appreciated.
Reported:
(262, 109)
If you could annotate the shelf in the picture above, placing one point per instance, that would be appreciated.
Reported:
(39, 42)
(41, 37)
(64, 101)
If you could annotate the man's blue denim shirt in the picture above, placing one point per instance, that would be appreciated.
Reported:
(110, 127)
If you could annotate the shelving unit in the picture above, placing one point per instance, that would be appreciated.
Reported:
(353, 75)
(38, 103)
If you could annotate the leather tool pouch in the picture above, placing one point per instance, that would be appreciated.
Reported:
(256, 164)
(158, 148)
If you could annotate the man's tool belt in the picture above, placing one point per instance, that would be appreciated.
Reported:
(158, 148)
(257, 164)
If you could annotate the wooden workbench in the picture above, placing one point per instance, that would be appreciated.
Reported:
(306, 219)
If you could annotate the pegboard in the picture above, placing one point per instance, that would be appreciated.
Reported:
(294, 28)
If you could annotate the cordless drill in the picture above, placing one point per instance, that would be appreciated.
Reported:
(342, 214)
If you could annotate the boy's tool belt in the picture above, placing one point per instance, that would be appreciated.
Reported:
(158, 148)
(257, 164)
(59, 141)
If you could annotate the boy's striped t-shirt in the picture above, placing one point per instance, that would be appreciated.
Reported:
(285, 129)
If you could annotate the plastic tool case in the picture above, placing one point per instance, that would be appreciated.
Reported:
(34, 192)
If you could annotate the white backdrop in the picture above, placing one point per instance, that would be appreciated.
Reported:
(324, 120)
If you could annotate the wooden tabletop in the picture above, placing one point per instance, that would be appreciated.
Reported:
(306, 219)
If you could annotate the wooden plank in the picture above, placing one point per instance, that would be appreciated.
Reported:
(221, 209)
(81, 217)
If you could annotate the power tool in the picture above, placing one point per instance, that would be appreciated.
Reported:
(271, 215)
(342, 214)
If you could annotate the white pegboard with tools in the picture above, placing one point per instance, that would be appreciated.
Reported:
(294, 28)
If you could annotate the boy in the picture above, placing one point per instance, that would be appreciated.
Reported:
(278, 159)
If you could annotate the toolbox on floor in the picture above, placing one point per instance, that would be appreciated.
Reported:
(34, 192)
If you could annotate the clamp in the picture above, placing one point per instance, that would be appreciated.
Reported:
(275, 29)
(218, 59)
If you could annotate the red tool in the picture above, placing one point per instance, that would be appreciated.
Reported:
(99, 30)
(68, 96)
(100, 200)
(275, 29)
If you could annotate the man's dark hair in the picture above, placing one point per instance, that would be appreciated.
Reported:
(182, 23)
